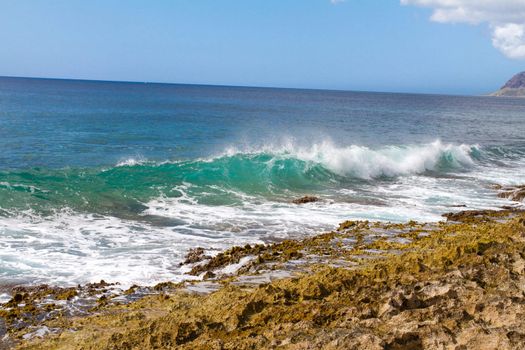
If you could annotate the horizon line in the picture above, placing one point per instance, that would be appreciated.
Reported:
(239, 86)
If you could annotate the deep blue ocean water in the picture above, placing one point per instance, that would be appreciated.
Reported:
(118, 180)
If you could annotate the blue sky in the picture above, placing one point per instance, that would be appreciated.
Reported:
(378, 45)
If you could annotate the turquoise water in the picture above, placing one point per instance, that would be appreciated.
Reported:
(118, 180)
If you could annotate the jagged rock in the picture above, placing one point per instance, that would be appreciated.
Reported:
(195, 255)
(514, 193)
(516, 82)
(209, 275)
(306, 199)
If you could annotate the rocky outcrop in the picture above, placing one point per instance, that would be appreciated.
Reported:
(514, 193)
(195, 255)
(516, 82)
(306, 199)
(515, 87)
(454, 285)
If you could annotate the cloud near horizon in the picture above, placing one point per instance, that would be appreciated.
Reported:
(506, 19)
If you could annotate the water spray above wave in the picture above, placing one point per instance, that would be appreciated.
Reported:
(367, 163)
(132, 161)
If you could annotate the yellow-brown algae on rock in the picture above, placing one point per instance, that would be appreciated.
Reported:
(460, 285)
(195, 255)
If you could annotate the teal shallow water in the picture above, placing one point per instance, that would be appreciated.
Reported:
(118, 180)
(122, 190)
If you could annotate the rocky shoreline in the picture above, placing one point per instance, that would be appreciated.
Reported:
(457, 284)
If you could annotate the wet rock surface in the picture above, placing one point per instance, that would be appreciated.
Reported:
(195, 255)
(482, 215)
(450, 285)
(514, 193)
(306, 199)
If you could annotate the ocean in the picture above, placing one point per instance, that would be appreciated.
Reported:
(116, 181)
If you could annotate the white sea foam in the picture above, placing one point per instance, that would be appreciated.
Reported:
(367, 163)
(71, 248)
(353, 160)
(131, 161)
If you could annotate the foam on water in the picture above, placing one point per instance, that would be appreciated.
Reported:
(71, 248)
(131, 161)
(366, 163)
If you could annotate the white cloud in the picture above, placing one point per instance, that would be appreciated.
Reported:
(510, 39)
(506, 19)
(335, 2)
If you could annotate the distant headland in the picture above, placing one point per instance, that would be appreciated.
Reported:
(515, 87)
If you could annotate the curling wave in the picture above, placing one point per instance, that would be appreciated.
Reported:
(265, 172)
(367, 163)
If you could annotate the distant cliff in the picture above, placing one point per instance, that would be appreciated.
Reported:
(515, 87)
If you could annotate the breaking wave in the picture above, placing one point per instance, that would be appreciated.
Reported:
(224, 179)
(367, 163)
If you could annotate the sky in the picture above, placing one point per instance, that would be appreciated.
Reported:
(422, 46)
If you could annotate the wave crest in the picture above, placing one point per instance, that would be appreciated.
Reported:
(267, 172)
(131, 161)
(367, 163)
